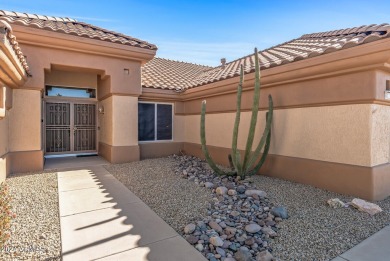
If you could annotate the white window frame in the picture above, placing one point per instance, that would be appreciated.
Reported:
(155, 122)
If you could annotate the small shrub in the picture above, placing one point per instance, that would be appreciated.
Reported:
(5, 214)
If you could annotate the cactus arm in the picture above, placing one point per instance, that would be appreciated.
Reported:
(235, 159)
(203, 141)
(263, 157)
(255, 110)
(256, 154)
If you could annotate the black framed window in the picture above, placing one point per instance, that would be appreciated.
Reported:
(59, 91)
(154, 121)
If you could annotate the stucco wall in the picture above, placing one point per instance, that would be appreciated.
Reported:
(380, 134)
(119, 123)
(71, 79)
(41, 58)
(124, 120)
(339, 134)
(25, 121)
(105, 121)
(4, 135)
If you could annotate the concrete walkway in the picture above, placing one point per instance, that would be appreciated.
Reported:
(102, 220)
(376, 247)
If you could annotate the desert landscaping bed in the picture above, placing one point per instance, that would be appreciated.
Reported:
(35, 232)
(178, 189)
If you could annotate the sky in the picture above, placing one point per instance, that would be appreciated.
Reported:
(205, 31)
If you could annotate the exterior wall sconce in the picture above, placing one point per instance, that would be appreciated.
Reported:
(101, 110)
(126, 71)
(387, 91)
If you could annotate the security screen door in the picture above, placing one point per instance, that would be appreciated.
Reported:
(70, 127)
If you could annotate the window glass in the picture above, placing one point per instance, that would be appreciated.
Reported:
(164, 122)
(146, 121)
(54, 91)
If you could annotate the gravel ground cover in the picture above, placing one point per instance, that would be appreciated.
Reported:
(35, 232)
(314, 231)
(177, 201)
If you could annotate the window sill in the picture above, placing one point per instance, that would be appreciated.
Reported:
(155, 141)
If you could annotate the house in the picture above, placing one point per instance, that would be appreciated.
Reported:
(73, 88)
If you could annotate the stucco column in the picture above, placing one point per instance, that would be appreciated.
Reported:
(25, 137)
(118, 129)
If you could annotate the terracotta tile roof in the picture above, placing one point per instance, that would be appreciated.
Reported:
(307, 46)
(72, 27)
(5, 28)
(169, 74)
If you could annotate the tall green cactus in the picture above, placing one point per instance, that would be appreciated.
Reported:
(252, 161)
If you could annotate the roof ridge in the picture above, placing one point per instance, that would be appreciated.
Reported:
(37, 16)
(350, 30)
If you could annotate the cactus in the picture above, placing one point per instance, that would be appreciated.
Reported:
(252, 161)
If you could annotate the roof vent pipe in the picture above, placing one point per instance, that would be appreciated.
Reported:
(223, 62)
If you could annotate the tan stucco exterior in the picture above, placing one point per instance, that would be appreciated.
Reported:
(331, 124)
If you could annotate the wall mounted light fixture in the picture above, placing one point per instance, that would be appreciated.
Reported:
(101, 109)
(387, 91)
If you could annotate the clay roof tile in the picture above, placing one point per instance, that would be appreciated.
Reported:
(71, 26)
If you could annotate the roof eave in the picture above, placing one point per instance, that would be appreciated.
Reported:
(56, 40)
(12, 72)
(370, 56)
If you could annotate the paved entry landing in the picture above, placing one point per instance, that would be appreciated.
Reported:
(73, 162)
(102, 220)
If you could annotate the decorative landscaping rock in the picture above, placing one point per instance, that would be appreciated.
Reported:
(192, 239)
(209, 185)
(336, 203)
(214, 225)
(199, 247)
(238, 222)
(252, 192)
(241, 189)
(252, 228)
(216, 241)
(279, 212)
(232, 192)
(264, 256)
(221, 190)
(365, 206)
(243, 255)
(268, 231)
(189, 228)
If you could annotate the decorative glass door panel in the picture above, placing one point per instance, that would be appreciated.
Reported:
(70, 127)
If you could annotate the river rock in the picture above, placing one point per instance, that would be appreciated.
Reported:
(232, 192)
(243, 255)
(264, 256)
(209, 185)
(221, 190)
(216, 241)
(214, 225)
(192, 239)
(251, 192)
(241, 189)
(252, 228)
(279, 212)
(189, 228)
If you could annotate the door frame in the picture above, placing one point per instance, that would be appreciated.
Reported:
(71, 101)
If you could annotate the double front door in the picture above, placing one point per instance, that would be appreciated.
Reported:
(70, 127)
